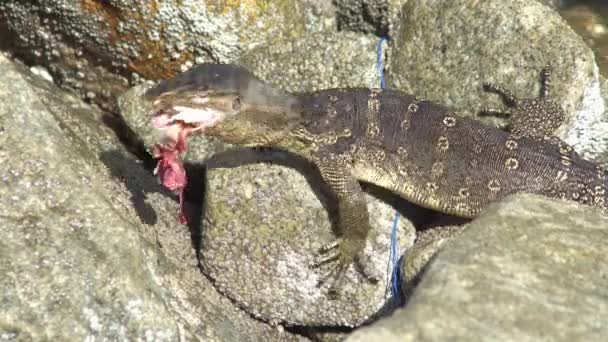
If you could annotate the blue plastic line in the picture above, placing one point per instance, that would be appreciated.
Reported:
(393, 259)
(379, 62)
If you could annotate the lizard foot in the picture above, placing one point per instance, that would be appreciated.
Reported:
(535, 117)
(339, 255)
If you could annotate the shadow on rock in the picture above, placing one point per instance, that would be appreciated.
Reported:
(138, 177)
(133, 176)
(140, 182)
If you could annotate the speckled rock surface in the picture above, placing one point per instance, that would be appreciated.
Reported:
(318, 61)
(369, 16)
(263, 226)
(86, 44)
(427, 244)
(445, 50)
(90, 249)
(528, 269)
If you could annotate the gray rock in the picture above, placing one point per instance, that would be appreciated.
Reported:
(368, 16)
(97, 46)
(527, 269)
(427, 244)
(263, 226)
(445, 50)
(318, 61)
(90, 247)
(320, 15)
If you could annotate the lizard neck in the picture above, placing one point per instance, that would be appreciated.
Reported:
(298, 138)
(270, 118)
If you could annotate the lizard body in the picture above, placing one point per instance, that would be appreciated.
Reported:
(422, 151)
(438, 159)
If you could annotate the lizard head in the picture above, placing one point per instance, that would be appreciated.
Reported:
(221, 100)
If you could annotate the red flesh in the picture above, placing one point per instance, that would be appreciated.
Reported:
(171, 169)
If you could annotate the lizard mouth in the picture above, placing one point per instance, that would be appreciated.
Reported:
(177, 124)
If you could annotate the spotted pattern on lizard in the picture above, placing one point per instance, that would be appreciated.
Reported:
(422, 151)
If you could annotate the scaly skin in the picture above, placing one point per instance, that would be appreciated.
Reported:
(419, 150)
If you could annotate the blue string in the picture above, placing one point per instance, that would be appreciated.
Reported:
(393, 260)
(379, 62)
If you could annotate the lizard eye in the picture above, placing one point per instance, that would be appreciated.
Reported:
(236, 104)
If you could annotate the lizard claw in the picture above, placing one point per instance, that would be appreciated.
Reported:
(333, 255)
(330, 246)
(338, 256)
(324, 257)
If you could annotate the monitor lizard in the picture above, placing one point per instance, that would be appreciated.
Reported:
(420, 150)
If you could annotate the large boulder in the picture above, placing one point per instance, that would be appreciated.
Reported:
(90, 249)
(527, 269)
(445, 50)
(98, 47)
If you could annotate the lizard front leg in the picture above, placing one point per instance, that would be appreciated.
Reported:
(353, 219)
(536, 118)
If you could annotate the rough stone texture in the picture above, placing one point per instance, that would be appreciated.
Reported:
(86, 44)
(263, 226)
(320, 14)
(369, 16)
(444, 51)
(528, 269)
(90, 249)
(427, 244)
(318, 61)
